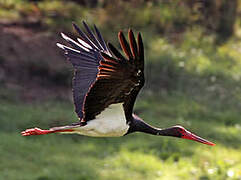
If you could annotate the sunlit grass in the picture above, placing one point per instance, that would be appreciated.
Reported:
(210, 107)
(137, 156)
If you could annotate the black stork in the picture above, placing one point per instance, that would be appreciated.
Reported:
(105, 87)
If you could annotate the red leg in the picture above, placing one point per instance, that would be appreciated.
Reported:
(35, 131)
(38, 131)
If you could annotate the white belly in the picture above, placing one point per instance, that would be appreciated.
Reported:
(111, 122)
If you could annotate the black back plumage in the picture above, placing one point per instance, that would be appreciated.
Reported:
(103, 76)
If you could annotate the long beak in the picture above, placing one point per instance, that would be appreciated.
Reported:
(191, 136)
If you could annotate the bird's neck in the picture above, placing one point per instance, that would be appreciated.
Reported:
(140, 126)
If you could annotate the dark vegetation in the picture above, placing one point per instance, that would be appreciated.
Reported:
(193, 75)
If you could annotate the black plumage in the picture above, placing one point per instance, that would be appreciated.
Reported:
(103, 76)
(85, 60)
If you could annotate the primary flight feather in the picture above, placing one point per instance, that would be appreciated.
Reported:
(105, 87)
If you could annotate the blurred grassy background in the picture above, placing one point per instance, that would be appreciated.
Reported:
(193, 72)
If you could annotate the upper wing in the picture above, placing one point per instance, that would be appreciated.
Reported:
(119, 79)
(85, 57)
(138, 52)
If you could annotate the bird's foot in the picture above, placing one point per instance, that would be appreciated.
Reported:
(35, 131)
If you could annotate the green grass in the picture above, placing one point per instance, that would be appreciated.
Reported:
(190, 82)
(136, 156)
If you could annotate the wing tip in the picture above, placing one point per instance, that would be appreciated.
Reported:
(130, 31)
(76, 28)
(64, 36)
(139, 36)
(120, 33)
(84, 23)
(74, 25)
(61, 46)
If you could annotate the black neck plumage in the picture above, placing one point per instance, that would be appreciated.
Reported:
(138, 125)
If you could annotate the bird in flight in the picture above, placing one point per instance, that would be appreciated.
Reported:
(105, 87)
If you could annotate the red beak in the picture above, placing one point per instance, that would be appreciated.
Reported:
(191, 136)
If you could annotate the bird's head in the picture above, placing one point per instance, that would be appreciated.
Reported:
(181, 132)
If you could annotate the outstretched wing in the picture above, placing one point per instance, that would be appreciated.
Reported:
(85, 57)
(119, 79)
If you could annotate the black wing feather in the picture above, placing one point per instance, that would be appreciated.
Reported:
(139, 60)
(133, 44)
(124, 45)
(117, 54)
(101, 40)
(92, 36)
(118, 80)
(100, 79)
(84, 37)
(85, 57)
